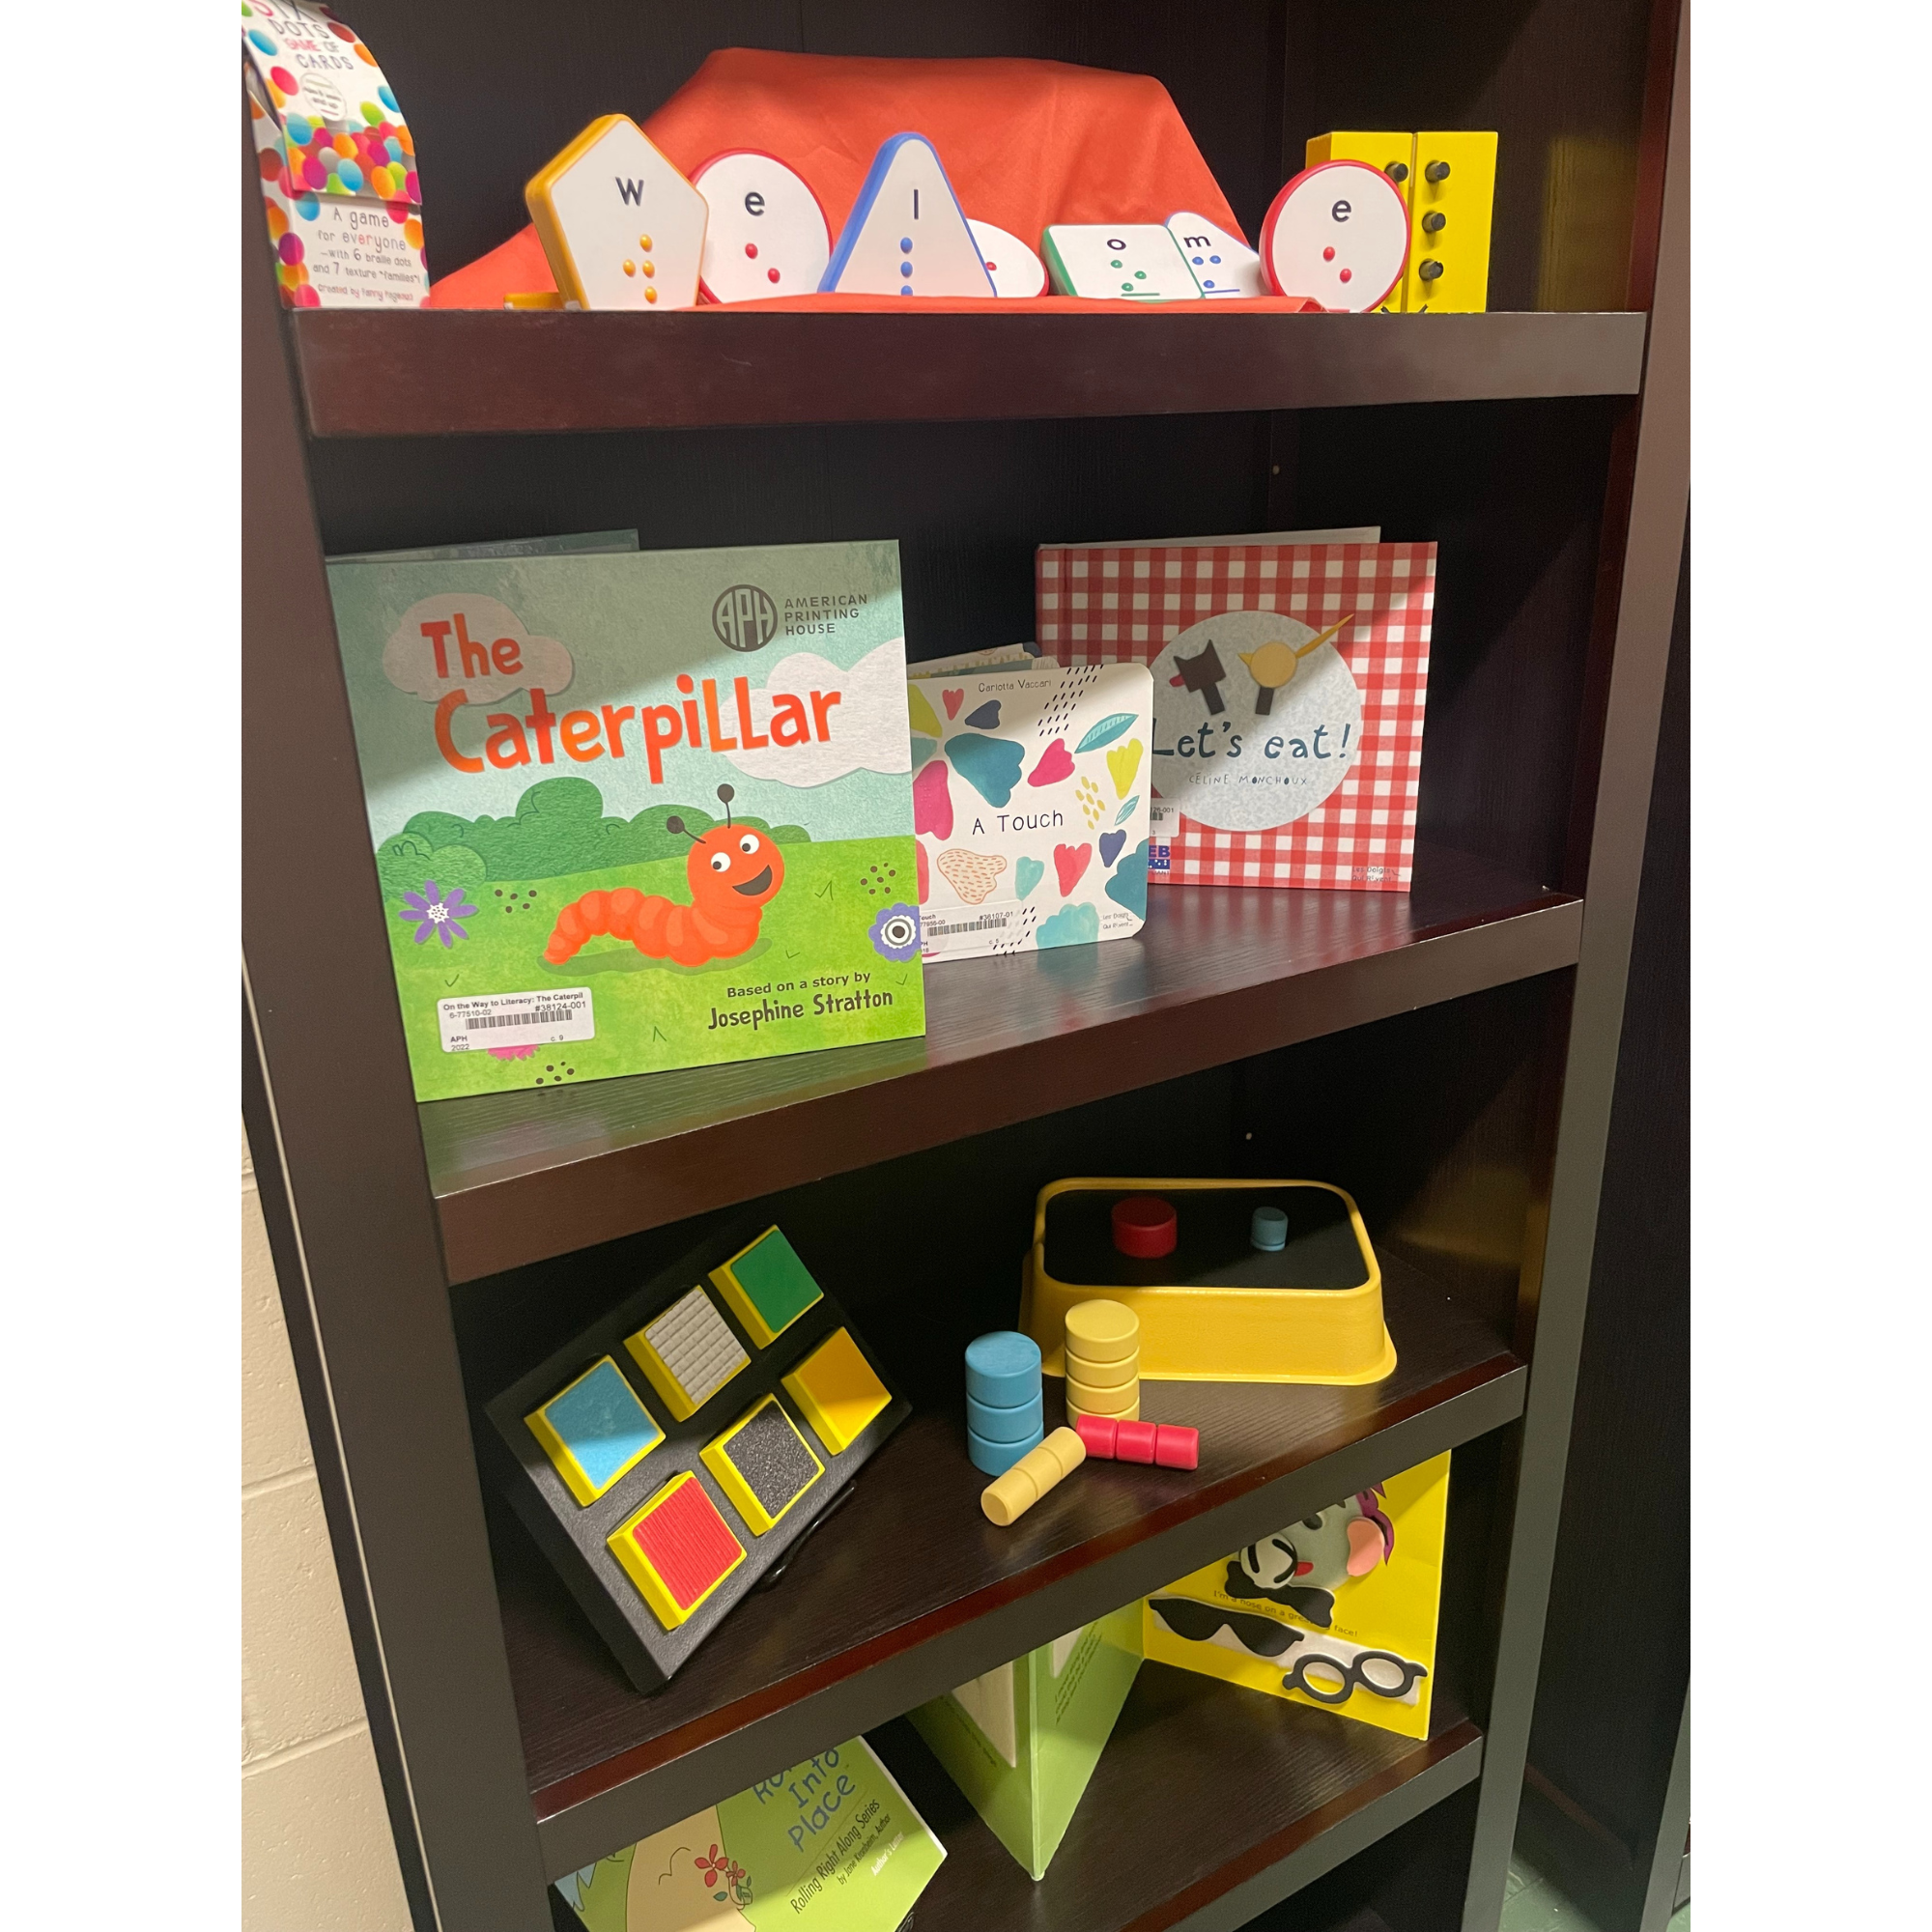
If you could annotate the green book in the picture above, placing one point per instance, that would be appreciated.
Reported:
(635, 811)
(830, 1845)
(1022, 1740)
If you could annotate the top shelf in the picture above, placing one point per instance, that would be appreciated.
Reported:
(443, 372)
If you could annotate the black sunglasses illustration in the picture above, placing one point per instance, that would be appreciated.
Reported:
(1379, 1672)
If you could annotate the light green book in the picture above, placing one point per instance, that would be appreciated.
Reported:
(1022, 1740)
(635, 811)
(582, 543)
(830, 1845)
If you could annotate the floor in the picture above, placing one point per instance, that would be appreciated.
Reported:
(1534, 1904)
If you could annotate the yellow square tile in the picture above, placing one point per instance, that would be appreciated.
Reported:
(836, 1391)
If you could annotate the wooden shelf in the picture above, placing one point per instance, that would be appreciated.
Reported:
(443, 372)
(523, 1175)
(1208, 1804)
(909, 1590)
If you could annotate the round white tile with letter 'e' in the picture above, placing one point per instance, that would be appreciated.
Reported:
(767, 235)
(1015, 269)
(1337, 234)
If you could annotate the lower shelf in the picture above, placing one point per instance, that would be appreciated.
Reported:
(1209, 1803)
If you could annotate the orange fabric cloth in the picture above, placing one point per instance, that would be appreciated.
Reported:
(1025, 143)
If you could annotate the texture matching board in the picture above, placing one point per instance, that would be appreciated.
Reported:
(660, 1506)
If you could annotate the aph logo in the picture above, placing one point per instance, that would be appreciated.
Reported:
(745, 618)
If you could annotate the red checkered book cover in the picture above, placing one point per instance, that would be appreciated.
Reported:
(1289, 689)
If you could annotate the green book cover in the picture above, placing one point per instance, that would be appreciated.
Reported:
(1022, 1740)
(830, 1845)
(637, 812)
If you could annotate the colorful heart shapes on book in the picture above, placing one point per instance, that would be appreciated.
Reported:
(1070, 862)
(925, 720)
(1027, 874)
(932, 801)
(987, 718)
(991, 766)
(952, 700)
(1110, 847)
(1056, 762)
(1129, 885)
(1123, 761)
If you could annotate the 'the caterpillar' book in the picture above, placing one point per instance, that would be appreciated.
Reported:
(1289, 686)
(637, 812)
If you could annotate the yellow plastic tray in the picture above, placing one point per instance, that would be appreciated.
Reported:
(1221, 1334)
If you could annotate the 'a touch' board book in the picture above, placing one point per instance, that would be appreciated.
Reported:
(1022, 1741)
(1338, 1611)
(1288, 686)
(635, 811)
(1030, 799)
(830, 1845)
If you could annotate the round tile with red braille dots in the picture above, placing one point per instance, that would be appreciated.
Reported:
(767, 235)
(1337, 234)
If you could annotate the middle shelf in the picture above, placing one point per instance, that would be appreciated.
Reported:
(910, 1591)
(1217, 974)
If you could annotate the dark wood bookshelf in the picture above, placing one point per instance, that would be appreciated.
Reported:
(454, 370)
(1449, 1053)
(1214, 975)
(1208, 1804)
(913, 1591)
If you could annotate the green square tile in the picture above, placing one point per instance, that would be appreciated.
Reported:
(775, 1281)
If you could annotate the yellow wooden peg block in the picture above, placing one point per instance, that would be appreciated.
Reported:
(1103, 1401)
(1102, 1375)
(1102, 1331)
(1451, 204)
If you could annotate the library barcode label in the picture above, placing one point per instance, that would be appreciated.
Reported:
(985, 923)
(545, 1019)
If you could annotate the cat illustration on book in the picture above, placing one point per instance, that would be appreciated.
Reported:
(734, 872)
(1304, 1564)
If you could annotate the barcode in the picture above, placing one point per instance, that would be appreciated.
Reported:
(534, 1016)
(979, 924)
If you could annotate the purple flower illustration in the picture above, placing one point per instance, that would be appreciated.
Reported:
(895, 933)
(437, 911)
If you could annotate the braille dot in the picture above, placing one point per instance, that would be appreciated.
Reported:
(550, 1069)
(1117, 264)
(905, 245)
(1128, 287)
(750, 251)
(1327, 254)
(650, 269)
(992, 268)
(905, 288)
(644, 243)
(771, 275)
(650, 295)
(630, 267)
(1347, 274)
(499, 892)
(905, 269)
(1213, 258)
(1140, 274)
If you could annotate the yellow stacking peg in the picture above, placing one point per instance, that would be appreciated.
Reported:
(1103, 1361)
(1009, 1497)
(1102, 1331)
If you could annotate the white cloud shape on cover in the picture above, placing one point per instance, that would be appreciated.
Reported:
(409, 658)
(865, 730)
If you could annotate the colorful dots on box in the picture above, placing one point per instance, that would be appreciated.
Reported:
(595, 1430)
(688, 1353)
(838, 1391)
(766, 1287)
(763, 1464)
(676, 1550)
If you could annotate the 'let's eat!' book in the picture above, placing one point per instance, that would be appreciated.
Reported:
(638, 811)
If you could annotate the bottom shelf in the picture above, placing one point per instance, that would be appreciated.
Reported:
(1209, 1803)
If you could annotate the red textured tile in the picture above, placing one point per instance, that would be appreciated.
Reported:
(688, 1542)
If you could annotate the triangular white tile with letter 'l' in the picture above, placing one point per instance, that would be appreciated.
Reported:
(906, 232)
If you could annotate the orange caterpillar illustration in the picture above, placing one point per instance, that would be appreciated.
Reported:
(734, 872)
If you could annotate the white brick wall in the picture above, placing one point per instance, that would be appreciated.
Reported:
(316, 1853)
